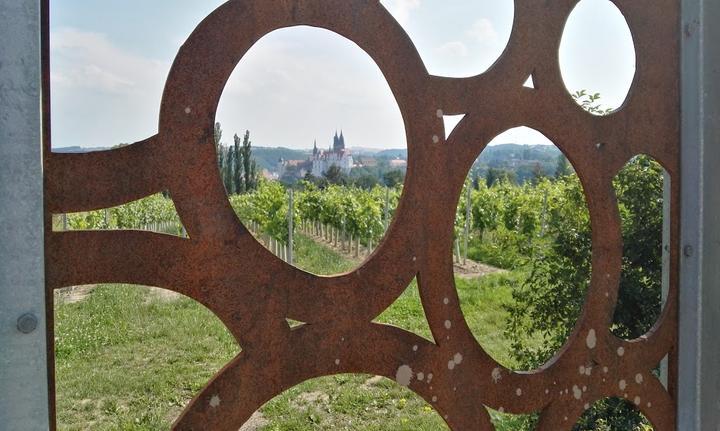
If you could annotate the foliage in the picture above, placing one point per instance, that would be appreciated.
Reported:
(238, 168)
(141, 214)
(589, 102)
(393, 178)
(549, 302)
(335, 175)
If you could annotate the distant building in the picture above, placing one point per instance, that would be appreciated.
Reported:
(320, 160)
(398, 164)
(337, 155)
(268, 175)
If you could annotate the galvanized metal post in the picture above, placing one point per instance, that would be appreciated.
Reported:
(665, 281)
(699, 349)
(24, 400)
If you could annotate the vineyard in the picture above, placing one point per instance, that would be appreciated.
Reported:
(504, 225)
(538, 231)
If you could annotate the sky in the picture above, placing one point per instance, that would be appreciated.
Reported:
(110, 59)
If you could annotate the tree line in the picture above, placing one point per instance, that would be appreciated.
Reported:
(238, 168)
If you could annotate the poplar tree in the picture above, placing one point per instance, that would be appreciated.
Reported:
(249, 165)
(227, 173)
(238, 167)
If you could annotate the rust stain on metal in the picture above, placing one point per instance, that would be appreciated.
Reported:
(253, 292)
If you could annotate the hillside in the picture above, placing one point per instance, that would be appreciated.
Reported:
(267, 157)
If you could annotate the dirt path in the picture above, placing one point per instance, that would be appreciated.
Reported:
(71, 295)
(256, 422)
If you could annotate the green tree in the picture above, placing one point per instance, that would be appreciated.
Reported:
(393, 178)
(495, 175)
(220, 152)
(366, 181)
(548, 304)
(248, 163)
(562, 167)
(228, 171)
(239, 183)
(335, 175)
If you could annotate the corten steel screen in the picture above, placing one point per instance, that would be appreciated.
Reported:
(223, 267)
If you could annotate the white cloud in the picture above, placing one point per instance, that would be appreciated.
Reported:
(89, 60)
(483, 31)
(101, 94)
(401, 9)
(455, 49)
(296, 85)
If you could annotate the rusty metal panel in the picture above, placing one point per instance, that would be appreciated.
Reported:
(253, 292)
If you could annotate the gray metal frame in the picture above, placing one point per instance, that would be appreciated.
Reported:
(23, 353)
(699, 344)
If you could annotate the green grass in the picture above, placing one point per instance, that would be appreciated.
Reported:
(318, 259)
(128, 359)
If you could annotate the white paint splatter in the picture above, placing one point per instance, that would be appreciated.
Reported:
(584, 388)
(496, 375)
(451, 365)
(435, 139)
(415, 348)
(188, 110)
(337, 361)
(588, 371)
(434, 399)
(605, 370)
(439, 113)
(637, 401)
(446, 301)
(639, 378)
(448, 324)
(581, 370)
(577, 393)
(501, 409)
(404, 375)
(587, 406)
(458, 358)
(622, 384)
(421, 376)
(620, 351)
(429, 378)
(591, 339)
(518, 392)
(215, 401)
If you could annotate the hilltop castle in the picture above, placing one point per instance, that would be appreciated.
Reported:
(321, 160)
(336, 155)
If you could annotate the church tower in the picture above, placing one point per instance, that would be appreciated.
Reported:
(338, 142)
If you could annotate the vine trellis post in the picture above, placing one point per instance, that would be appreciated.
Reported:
(672, 114)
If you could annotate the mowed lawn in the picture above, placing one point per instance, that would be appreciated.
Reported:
(128, 358)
